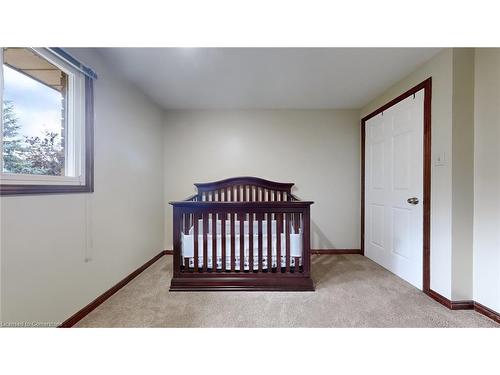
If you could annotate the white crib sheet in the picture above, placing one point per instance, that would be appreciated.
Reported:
(187, 247)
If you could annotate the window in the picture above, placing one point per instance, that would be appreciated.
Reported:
(47, 109)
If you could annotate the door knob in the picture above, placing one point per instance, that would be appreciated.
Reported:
(413, 200)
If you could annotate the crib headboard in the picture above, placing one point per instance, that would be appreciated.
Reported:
(244, 189)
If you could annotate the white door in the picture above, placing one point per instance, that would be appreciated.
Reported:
(394, 188)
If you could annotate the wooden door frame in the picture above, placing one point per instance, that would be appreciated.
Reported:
(427, 87)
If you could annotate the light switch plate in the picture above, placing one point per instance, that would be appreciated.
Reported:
(440, 159)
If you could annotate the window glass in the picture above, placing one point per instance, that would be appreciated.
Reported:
(34, 114)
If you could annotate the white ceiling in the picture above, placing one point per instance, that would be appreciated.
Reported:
(198, 78)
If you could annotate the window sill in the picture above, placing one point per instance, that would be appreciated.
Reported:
(18, 184)
(24, 189)
(26, 179)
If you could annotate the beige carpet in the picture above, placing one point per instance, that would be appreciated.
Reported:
(351, 291)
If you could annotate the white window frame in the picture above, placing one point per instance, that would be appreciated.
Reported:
(75, 129)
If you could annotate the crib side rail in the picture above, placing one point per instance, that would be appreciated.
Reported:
(261, 238)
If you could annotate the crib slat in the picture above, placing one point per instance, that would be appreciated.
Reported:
(186, 223)
(287, 242)
(245, 199)
(205, 242)
(233, 243)
(296, 222)
(259, 239)
(250, 242)
(269, 243)
(195, 234)
(242, 242)
(214, 242)
(237, 193)
(279, 225)
(186, 264)
(223, 239)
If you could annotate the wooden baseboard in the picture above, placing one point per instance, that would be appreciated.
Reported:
(168, 252)
(75, 318)
(464, 305)
(335, 251)
(452, 305)
(439, 298)
(486, 311)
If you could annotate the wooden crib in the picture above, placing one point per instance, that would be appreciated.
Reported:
(242, 233)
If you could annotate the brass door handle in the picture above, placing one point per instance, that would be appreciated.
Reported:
(413, 200)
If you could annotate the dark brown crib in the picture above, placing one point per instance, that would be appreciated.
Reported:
(242, 233)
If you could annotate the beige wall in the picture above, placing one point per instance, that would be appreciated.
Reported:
(318, 150)
(59, 252)
(462, 173)
(440, 68)
(487, 178)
